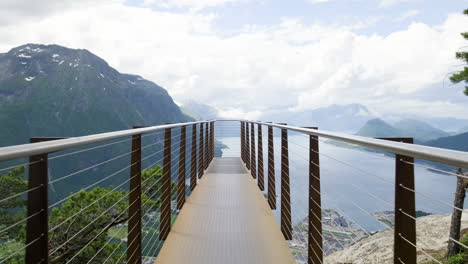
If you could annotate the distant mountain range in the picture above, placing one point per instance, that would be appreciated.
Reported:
(419, 130)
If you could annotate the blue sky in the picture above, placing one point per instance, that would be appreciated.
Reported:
(248, 57)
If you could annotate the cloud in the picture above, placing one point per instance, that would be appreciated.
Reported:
(195, 5)
(407, 14)
(388, 3)
(288, 65)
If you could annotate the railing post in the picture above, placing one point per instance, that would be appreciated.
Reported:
(134, 200)
(315, 253)
(37, 225)
(242, 140)
(261, 183)
(286, 226)
(193, 163)
(212, 140)
(405, 209)
(253, 164)
(181, 182)
(247, 149)
(271, 170)
(207, 151)
(165, 218)
(200, 153)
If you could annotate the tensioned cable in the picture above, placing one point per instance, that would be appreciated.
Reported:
(21, 249)
(111, 175)
(102, 197)
(102, 231)
(373, 217)
(21, 193)
(428, 197)
(100, 146)
(89, 224)
(408, 162)
(121, 241)
(434, 169)
(347, 216)
(356, 168)
(427, 254)
(106, 161)
(21, 221)
(21, 165)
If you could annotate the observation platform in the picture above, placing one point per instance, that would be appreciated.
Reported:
(225, 220)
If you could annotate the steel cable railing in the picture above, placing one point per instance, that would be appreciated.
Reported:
(248, 132)
(174, 155)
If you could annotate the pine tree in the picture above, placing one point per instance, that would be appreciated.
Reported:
(462, 76)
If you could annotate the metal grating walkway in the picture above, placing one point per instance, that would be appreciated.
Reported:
(225, 220)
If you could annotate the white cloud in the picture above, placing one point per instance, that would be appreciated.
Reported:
(193, 4)
(387, 3)
(286, 65)
(408, 14)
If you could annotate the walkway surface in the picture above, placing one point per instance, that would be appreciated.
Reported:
(225, 220)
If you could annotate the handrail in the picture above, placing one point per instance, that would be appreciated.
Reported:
(446, 156)
(25, 150)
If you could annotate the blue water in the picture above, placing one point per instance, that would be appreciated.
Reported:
(343, 185)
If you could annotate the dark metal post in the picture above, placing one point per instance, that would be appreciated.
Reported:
(286, 226)
(315, 253)
(37, 225)
(134, 200)
(165, 219)
(181, 182)
(253, 157)
(207, 151)
(201, 153)
(271, 170)
(247, 149)
(212, 139)
(405, 208)
(261, 183)
(193, 169)
(242, 140)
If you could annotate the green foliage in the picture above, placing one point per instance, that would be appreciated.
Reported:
(461, 257)
(11, 210)
(78, 235)
(462, 76)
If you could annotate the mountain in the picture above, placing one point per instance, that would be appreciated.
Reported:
(343, 118)
(54, 91)
(378, 128)
(463, 130)
(457, 142)
(432, 234)
(199, 111)
(419, 129)
(49, 90)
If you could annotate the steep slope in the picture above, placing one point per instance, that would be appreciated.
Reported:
(457, 142)
(49, 90)
(378, 128)
(432, 235)
(53, 91)
(419, 129)
(198, 110)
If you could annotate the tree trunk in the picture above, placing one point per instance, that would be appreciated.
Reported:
(453, 247)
